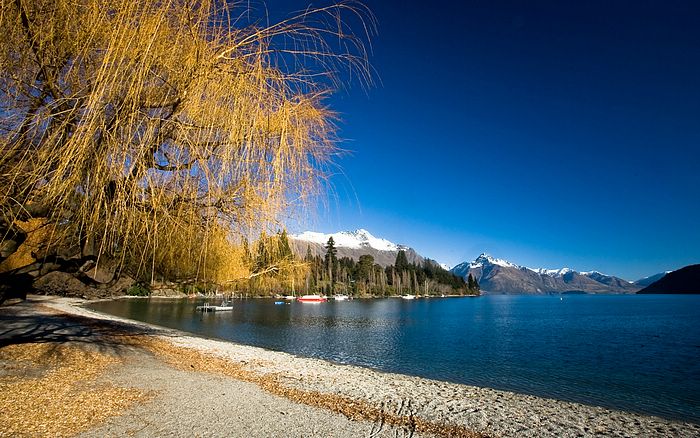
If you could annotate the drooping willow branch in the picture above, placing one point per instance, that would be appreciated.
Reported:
(151, 126)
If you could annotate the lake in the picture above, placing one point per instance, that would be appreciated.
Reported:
(638, 353)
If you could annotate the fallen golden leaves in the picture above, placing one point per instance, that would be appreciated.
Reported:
(51, 389)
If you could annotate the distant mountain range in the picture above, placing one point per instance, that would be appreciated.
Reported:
(499, 276)
(353, 244)
(683, 281)
(495, 276)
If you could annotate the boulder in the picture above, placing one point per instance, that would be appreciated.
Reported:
(48, 267)
(62, 283)
(32, 249)
(102, 271)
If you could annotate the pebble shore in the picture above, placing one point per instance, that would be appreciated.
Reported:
(482, 410)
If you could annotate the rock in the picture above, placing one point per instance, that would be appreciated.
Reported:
(61, 283)
(48, 267)
(103, 272)
(32, 249)
(8, 247)
(90, 248)
(121, 285)
(100, 271)
(65, 284)
(166, 292)
(32, 269)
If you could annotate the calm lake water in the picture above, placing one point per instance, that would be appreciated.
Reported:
(636, 353)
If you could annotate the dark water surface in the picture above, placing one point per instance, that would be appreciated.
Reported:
(636, 353)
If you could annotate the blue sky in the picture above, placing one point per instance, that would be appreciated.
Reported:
(547, 133)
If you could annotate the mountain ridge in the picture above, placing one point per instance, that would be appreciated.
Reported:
(646, 281)
(499, 276)
(682, 281)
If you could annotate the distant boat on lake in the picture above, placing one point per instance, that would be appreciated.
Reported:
(312, 299)
(408, 297)
(225, 306)
(341, 297)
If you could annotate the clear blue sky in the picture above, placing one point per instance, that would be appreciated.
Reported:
(547, 133)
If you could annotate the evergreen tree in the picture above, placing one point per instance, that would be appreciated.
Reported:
(247, 255)
(284, 251)
(263, 258)
(401, 263)
(331, 251)
(364, 267)
(331, 261)
(364, 270)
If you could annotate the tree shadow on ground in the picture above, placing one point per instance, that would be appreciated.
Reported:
(17, 327)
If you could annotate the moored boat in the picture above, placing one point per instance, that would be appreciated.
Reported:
(209, 308)
(341, 297)
(408, 297)
(312, 299)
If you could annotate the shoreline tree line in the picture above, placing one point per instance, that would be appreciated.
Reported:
(329, 274)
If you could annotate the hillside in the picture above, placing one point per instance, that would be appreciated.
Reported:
(683, 281)
(646, 281)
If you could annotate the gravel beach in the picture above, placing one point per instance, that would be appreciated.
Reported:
(307, 397)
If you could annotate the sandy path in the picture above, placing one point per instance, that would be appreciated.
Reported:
(191, 404)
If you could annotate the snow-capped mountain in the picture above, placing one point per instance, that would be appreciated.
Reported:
(485, 259)
(503, 277)
(553, 272)
(353, 244)
(360, 238)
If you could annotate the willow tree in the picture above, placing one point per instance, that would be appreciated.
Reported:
(147, 132)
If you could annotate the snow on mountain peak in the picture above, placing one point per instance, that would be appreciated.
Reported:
(359, 238)
(594, 274)
(552, 272)
(485, 259)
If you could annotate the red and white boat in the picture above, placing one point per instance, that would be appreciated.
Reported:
(312, 299)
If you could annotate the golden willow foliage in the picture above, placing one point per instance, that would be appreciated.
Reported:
(159, 130)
